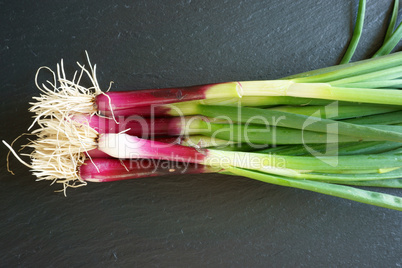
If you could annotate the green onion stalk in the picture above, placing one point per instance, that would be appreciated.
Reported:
(371, 81)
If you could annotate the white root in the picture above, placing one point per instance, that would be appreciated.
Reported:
(61, 142)
(62, 96)
(59, 150)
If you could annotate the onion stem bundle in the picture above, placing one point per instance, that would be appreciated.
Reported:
(324, 130)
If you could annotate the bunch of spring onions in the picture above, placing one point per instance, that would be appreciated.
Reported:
(325, 131)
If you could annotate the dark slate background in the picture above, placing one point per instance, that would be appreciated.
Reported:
(181, 221)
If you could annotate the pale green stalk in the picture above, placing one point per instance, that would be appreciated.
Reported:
(335, 112)
(359, 195)
(390, 43)
(356, 33)
(348, 70)
(387, 118)
(394, 83)
(390, 183)
(265, 117)
(352, 175)
(342, 148)
(392, 21)
(319, 91)
(386, 74)
(264, 162)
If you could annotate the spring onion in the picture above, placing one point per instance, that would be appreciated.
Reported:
(324, 130)
(108, 169)
(330, 85)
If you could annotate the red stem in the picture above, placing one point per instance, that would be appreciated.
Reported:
(131, 147)
(148, 97)
(106, 170)
(134, 125)
(147, 111)
(95, 153)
